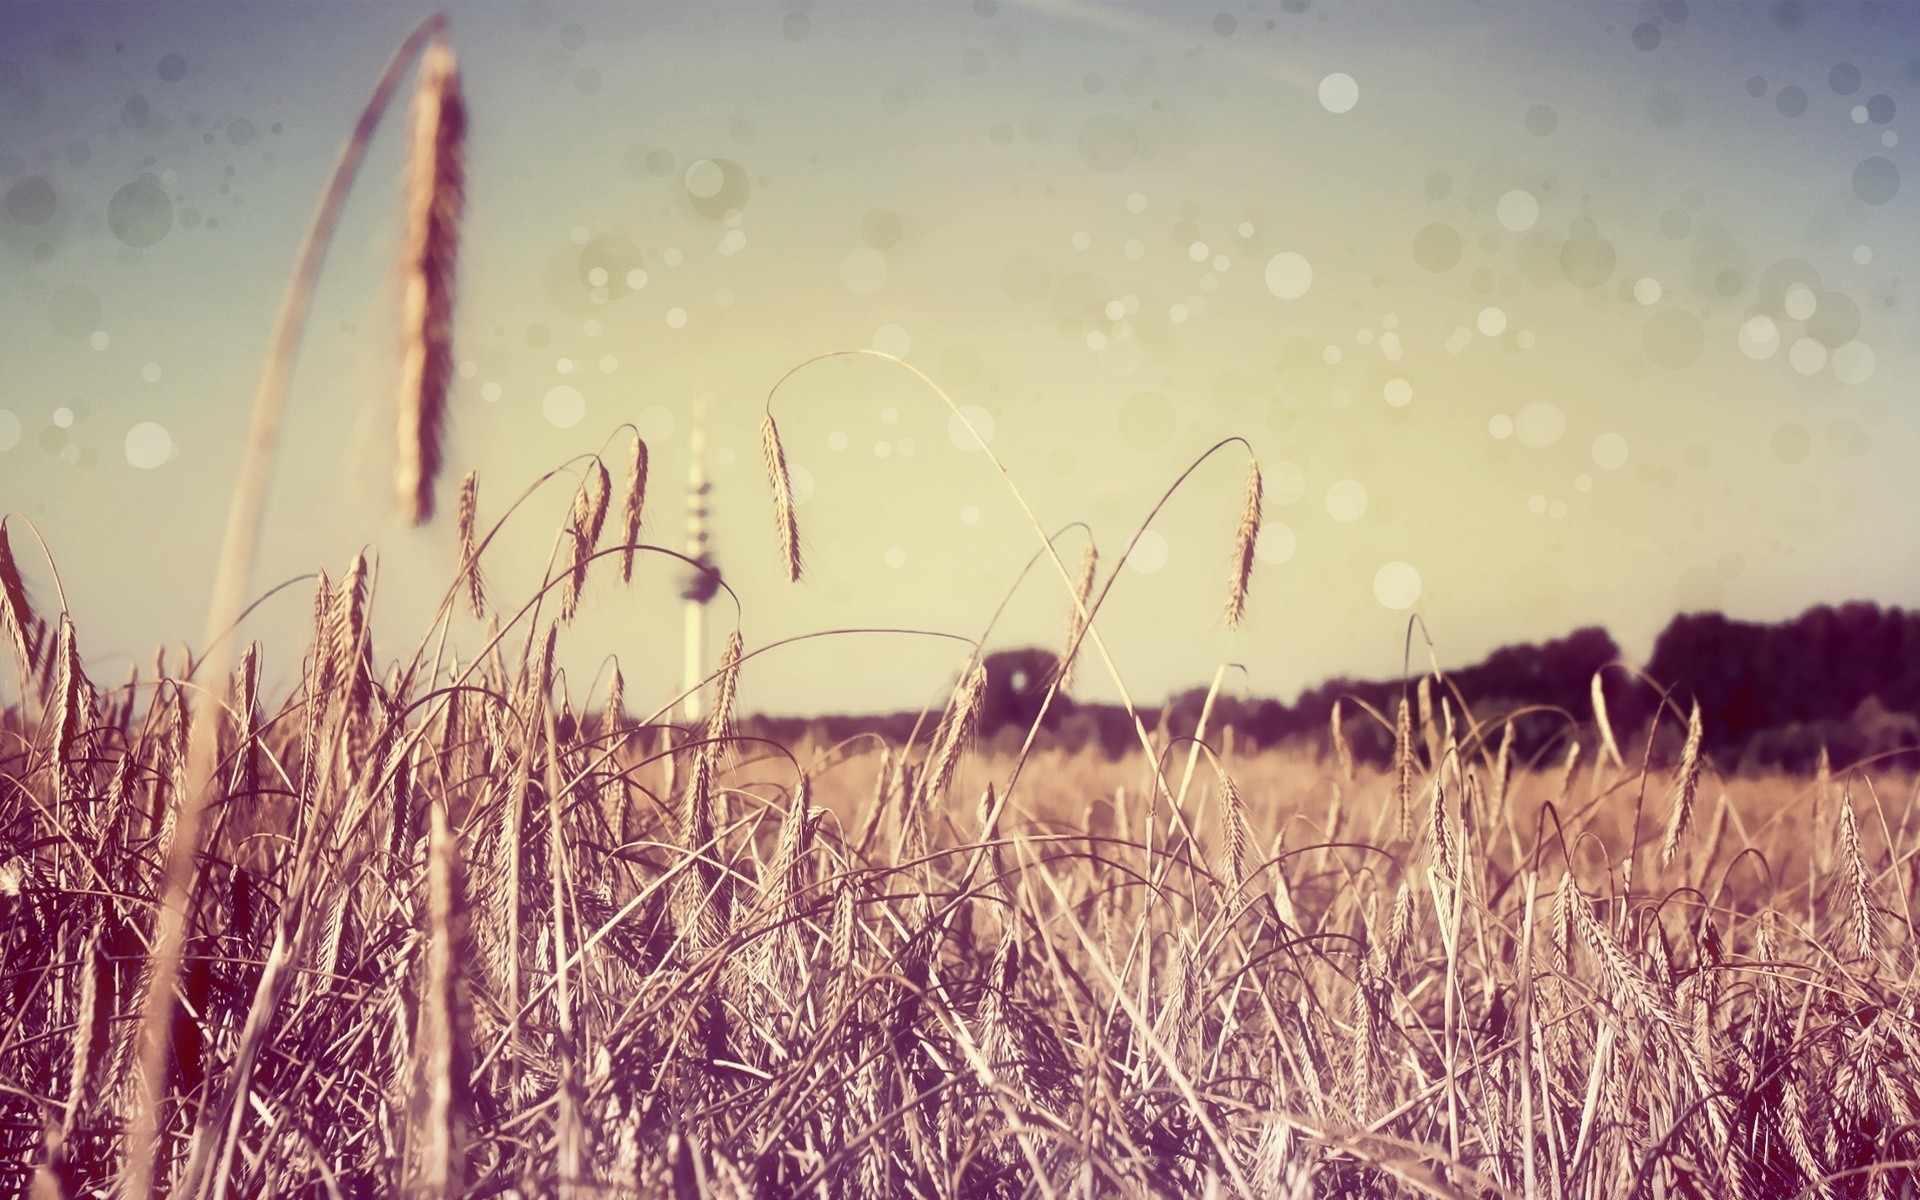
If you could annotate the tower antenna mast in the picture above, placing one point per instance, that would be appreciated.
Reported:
(703, 582)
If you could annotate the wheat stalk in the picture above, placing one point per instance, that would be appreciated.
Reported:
(1686, 789)
(1240, 570)
(785, 522)
(468, 512)
(1079, 614)
(1859, 889)
(1608, 745)
(630, 506)
(1342, 751)
(435, 194)
(16, 612)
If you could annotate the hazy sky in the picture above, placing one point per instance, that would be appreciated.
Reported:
(1536, 315)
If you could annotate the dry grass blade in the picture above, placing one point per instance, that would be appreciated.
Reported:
(1608, 745)
(1341, 749)
(436, 190)
(1245, 537)
(784, 519)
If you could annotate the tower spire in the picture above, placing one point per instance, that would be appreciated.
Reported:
(701, 584)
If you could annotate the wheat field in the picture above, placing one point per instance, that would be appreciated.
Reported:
(457, 932)
(443, 924)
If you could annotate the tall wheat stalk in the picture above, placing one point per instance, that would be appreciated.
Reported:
(237, 551)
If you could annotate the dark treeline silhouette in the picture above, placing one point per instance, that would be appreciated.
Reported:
(1846, 678)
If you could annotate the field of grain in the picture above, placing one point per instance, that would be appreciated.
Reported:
(455, 931)
(445, 925)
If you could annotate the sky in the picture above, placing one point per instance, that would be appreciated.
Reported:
(1535, 316)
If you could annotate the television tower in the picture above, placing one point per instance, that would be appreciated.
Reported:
(701, 585)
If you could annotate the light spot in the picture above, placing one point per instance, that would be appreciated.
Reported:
(1609, 452)
(9, 430)
(1399, 393)
(1853, 362)
(1646, 290)
(1277, 543)
(799, 479)
(1137, 202)
(1492, 322)
(676, 318)
(1285, 483)
(1540, 425)
(1500, 426)
(1801, 302)
(1149, 554)
(490, 391)
(883, 449)
(1759, 337)
(705, 178)
(1863, 255)
(970, 515)
(564, 406)
(1517, 211)
(63, 417)
(892, 339)
(99, 340)
(148, 445)
(976, 438)
(1807, 356)
(1876, 180)
(1346, 501)
(150, 372)
(836, 441)
(636, 279)
(896, 558)
(1339, 93)
(1289, 275)
(1790, 443)
(608, 364)
(1396, 586)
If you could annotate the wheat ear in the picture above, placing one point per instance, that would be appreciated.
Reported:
(782, 485)
(1077, 618)
(435, 193)
(1687, 788)
(630, 506)
(1240, 571)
